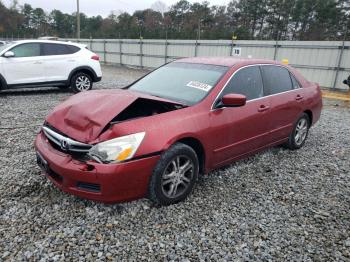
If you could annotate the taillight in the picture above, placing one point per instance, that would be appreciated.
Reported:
(95, 57)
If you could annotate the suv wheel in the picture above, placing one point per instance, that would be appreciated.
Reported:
(81, 82)
(174, 176)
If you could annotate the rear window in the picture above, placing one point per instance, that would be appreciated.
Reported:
(295, 82)
(58, 49)
(73, 49)
(276, 79)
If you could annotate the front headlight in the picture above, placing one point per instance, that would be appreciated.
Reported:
(118, 149)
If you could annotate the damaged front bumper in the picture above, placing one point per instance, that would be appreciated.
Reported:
(99, 182)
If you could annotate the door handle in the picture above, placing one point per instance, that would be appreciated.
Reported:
(263, 108)
(38, 62)
(71, 60)
(299, 97)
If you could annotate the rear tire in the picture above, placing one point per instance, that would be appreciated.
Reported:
(81, 82)
(300, 132)
(174, 176)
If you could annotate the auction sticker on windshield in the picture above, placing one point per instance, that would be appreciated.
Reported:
(200, 86)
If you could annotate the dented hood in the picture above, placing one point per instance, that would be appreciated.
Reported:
(84, 116)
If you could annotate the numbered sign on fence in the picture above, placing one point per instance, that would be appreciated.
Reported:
(237, 51)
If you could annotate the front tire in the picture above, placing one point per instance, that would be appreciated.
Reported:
(300, 132)
(174, 175)
(81, 82)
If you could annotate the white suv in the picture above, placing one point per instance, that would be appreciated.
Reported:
(37, 63)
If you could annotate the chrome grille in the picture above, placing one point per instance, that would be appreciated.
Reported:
(66, 144)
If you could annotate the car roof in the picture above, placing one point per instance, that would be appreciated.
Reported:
(225, 61)
(47, 42)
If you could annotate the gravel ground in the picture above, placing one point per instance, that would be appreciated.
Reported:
(277, 205)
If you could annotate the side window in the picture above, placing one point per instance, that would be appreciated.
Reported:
(58, 49)
(73, 49)
(246, 81)
(295, 82)
(276, 79)
(27, 50)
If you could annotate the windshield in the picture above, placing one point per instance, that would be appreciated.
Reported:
(185, 83)
(3, 47)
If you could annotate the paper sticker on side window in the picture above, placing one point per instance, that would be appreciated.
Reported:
(200, 86)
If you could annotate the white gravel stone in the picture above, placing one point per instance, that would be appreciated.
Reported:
(278, 205)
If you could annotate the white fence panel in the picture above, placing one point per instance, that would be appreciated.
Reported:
(325, 62)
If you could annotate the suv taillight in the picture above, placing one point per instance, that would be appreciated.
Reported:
(95, 57)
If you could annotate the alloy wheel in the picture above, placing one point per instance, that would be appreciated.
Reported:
(301, 131)
(177, 176)
(83, 83)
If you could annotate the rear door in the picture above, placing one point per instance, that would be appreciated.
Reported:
(59, 59)
(238, 131)
(286, 98)
(26, 67)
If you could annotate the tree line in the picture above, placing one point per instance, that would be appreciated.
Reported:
(241, 19)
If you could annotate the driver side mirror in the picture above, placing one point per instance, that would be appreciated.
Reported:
(233, 100)
(9, 54)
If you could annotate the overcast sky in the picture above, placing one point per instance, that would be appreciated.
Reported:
(100, 7)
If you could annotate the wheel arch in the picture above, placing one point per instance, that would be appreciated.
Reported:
(3, 83)
(84, 69)
(309, 114)
(198, 147)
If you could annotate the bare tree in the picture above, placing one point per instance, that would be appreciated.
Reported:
(14, 5)
(160, 7)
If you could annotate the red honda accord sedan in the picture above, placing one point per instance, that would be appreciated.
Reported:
(154, 137)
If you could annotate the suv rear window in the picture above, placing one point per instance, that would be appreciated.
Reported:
(276, 79)
(73, 49)
(58, 49)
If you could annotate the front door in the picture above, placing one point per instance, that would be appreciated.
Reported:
(26, 67)
(241, 130)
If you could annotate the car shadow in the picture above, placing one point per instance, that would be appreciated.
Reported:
(32, 91)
